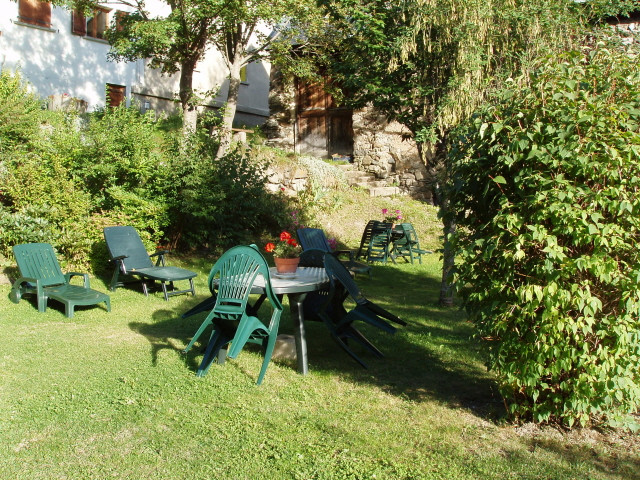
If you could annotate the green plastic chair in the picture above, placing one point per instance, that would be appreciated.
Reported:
(340, 321)
(131, 259)
(408, 244)
(380, 244)
(232, 278)
(315, 238)
(365, 239)
(40, 275)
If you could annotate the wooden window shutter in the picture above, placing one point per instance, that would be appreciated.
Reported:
(119, 17)
(115, 94)
(78, 23)
(35, 12)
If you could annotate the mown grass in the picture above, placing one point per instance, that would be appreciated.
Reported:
(109, 395)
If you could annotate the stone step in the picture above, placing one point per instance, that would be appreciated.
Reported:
(383, 191)
(368, 181)
(357, 173)
(356, 180)
(371, 184)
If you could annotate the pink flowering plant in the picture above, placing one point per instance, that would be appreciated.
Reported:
(391, 217)
(285, 247)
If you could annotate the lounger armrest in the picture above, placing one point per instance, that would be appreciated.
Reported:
(160, 254)
(85, 278)
(119, 261)
(15, 294)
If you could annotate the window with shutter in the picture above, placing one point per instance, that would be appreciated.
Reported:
(98, 23)
(35, 12)
(115, 94)
(119, 17)
(78, 23)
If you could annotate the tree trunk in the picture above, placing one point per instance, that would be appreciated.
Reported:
(189, 112)
(229, 109)
(438, 168)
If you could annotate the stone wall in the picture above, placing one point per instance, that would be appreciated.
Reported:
(628, 27)
(387, 150)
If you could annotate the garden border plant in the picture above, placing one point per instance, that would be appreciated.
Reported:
(546, 194)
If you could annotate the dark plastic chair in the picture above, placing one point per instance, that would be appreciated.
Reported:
(365, 239)
(408, 244)
(380, 244)
(315, 238)
(232, 278)
(131, 259)
(40, 275)
(340, 321)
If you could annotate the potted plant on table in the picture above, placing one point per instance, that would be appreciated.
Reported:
(392, 217)
(286, 253)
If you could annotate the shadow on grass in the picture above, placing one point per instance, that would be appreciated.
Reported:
(434, 357)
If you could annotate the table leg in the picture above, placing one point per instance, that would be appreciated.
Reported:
(297, 314)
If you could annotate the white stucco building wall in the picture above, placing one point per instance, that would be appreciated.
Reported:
(54, 61)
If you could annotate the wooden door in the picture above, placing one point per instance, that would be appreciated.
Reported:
(322, 128)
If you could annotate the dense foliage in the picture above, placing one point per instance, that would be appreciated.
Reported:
(430, 63)
(546, 193)
(64, 177)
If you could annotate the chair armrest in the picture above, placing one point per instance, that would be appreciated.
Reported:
(160, 254)
(120, 263)
(15, 294)
(85, 278)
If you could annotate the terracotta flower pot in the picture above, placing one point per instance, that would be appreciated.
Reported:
(286, 265)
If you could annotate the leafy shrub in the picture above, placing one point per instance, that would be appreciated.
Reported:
(120, 148)
(20, 111)
(41, 203)
(220, 203)
(546, 194)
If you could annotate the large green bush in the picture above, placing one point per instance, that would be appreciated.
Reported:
(220, 203)
(120, 148)
(546, 195)
(20, 111)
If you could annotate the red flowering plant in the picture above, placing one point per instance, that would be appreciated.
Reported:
(285, 247)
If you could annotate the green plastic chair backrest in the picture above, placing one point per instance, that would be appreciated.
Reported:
(38, 260)
(232, 277)
(336, 271)
(313, 238)
(410, 234)
(123, 240)
(366, 236)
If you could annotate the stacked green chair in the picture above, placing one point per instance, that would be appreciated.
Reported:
(315, 238)
(408, 245)
(365, 239)
(232, 278)
(340, 321)
(132, 261)
(40, 275)
(380, 244)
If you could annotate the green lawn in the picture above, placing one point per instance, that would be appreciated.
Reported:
(108, 395)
